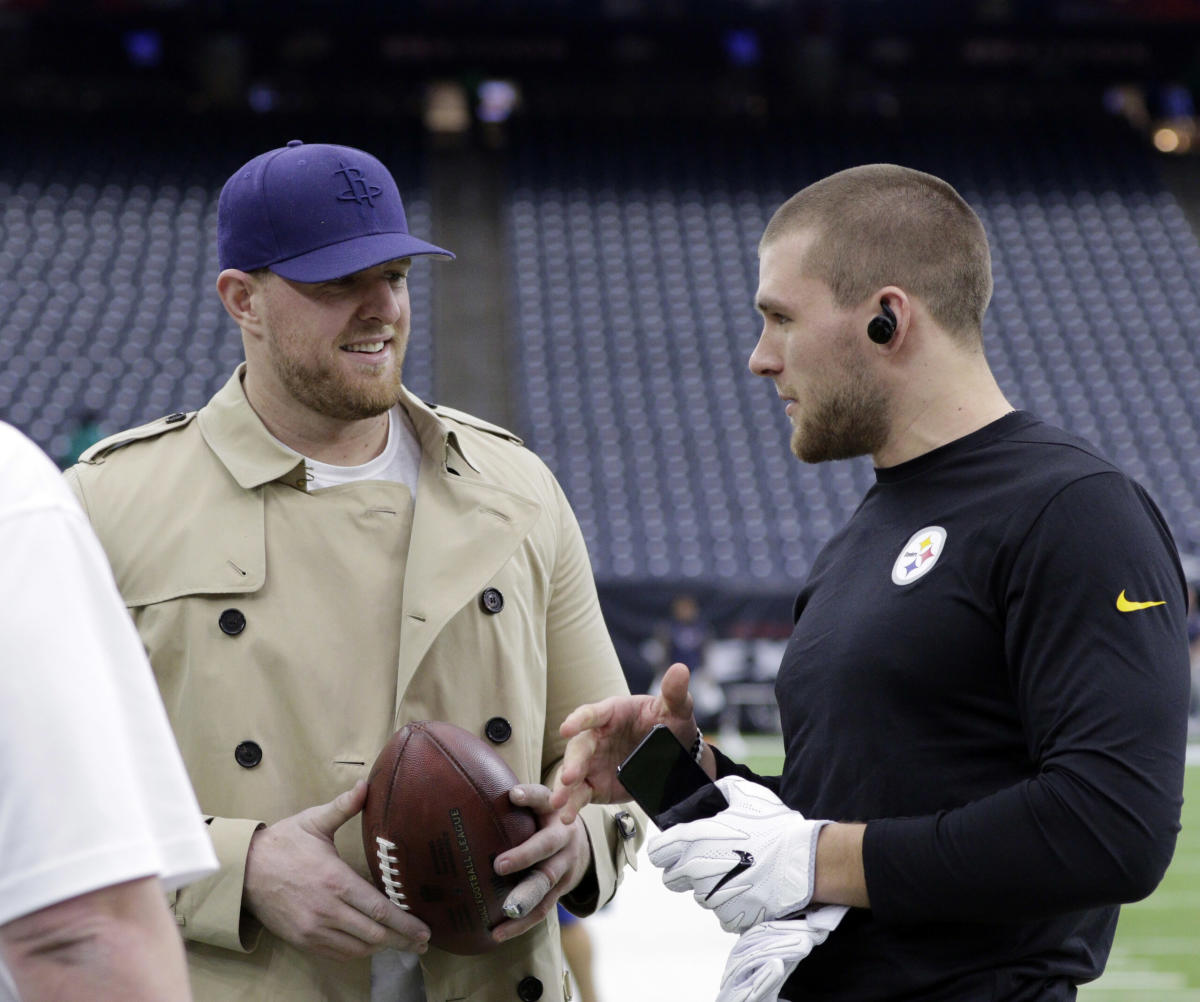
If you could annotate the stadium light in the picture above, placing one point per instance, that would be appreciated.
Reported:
(144, 48)
(497, 100)
(1176, 136)
(447, 110)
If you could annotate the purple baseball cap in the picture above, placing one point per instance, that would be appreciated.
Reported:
(313, 213)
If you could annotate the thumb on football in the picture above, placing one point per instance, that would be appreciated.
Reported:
(328, 818)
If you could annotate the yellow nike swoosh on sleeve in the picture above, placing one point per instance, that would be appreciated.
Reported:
(1124, 605)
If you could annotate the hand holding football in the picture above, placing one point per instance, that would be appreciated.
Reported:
(436, 817)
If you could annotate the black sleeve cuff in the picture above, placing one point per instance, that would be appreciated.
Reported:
(728, 767)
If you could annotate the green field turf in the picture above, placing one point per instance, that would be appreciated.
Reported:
(1156, 954)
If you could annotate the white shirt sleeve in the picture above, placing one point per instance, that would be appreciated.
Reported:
(93, 790)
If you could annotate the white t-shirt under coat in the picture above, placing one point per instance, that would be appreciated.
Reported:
(399, 462)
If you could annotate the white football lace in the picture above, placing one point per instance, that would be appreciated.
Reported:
(392, 885)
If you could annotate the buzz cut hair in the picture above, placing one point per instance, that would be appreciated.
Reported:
(882, 224)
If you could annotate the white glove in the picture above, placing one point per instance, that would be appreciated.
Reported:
(753, 862)
(764, 957)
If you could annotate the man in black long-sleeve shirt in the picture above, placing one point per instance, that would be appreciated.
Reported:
(986, 687)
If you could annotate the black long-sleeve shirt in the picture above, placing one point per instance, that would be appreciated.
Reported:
(989, 667)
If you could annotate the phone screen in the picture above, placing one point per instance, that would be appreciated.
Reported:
(661, 775)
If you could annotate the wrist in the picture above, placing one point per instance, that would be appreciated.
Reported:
(252, 868)
(840, 878)
(702, 754)
(583, 894)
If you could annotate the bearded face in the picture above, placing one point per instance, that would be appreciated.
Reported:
(337, 348)
(842, 417)
(347, 390)
(816, 352)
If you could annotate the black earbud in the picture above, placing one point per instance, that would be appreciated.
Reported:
(883, 326)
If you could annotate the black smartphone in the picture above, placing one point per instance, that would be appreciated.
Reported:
(661, 775)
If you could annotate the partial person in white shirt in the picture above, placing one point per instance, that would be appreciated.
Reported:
(98, 821)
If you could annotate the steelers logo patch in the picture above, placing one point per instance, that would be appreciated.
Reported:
(919, 555)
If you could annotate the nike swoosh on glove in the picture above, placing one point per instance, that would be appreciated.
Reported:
(764, 957)
(753, 862)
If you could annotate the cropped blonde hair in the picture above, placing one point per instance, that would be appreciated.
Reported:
(881, 224)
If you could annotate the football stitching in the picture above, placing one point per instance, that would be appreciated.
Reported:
(388, 869)
(392, 885)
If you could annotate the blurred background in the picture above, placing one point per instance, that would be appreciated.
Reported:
(603, 169)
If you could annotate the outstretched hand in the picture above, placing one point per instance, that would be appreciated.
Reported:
(600, 736)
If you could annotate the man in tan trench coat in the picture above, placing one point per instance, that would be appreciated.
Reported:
(315, 558)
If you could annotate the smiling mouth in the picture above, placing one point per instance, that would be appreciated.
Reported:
(366, 348)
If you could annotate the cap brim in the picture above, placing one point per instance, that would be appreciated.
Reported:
(349, 256)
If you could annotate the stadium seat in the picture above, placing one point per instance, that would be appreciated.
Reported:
(634, 270)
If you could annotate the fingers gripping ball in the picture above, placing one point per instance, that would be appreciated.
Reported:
(436, 817)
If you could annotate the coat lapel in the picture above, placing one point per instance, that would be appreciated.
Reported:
(465, 528)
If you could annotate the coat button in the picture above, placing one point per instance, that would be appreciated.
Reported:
(529, 989)
(176, 417)
(248, 754)
(626, 825)
(232, 622)
(491, 600)
(498, 730)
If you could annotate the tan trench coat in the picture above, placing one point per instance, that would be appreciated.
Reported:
(292, 633)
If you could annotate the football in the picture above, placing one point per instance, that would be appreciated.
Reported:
(436, 817)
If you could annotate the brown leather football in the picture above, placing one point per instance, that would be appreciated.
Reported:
(437, 815)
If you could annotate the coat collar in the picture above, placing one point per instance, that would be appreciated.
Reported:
(251, 454)
(255, 457)
(438, 439)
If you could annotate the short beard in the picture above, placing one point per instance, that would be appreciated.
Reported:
(849, 422)
(323, 390)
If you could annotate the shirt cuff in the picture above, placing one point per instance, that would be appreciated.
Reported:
(210, 910)
(615, 833)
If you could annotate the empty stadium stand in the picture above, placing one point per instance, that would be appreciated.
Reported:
(633, 271)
